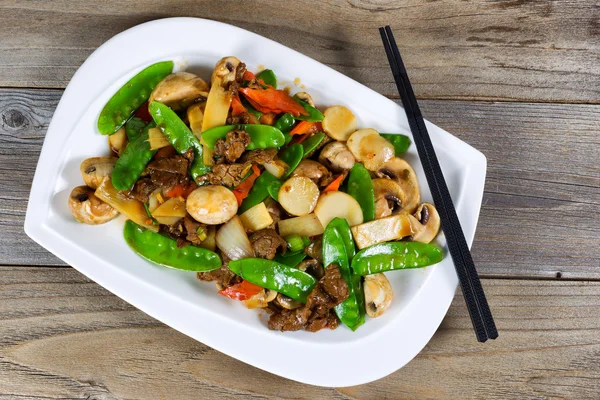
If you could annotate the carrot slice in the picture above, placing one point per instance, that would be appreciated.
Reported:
(241, 291)
(273, 100)
(237, 107)
(335, 185)
(241, 191)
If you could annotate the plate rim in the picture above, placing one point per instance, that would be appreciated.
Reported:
(41, 194)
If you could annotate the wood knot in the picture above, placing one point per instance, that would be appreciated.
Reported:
(13, 118)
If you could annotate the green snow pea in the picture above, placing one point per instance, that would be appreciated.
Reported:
(292, 157)
(134, 127)
(275, 276)
(268, 77)
(337, 247)
(261, 136)
(288, 138)
(133, 161)
(258, 192)
(311, 144)
(360, 186)
(290, 259)
(273, 189)
(179, 135)
(285, 122)
(395, 255)
(401, 142)
(162, 250)
(131, 96)
(314, 115)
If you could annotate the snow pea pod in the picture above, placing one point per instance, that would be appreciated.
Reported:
(395, 255)
(162, 250)
(179, 135)
(292, 157)
(313, 115)
(259, 191)
(272, 275)
(360, 186)
(401, 142)
(134, 127)
(261, 136)
(338, 246)
(131, 96)
(268, 77)
(273, 189)
(312, 143)
(133, 161)
(285, 122)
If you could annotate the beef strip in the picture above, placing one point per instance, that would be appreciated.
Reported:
(142, 189)
(315, 249)
(177, 164)
(259, 156)
(266, 242)
(229, 175)
(191, 227)
(230, 149)
(242, 118)
(317, 313)
(222, 276)
(176, 231)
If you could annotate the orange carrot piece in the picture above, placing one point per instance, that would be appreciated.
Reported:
(248, 76)
(241, 291)
(241, 191)
(335, 185)
(237, 107)
(273, 100)
(304, 127)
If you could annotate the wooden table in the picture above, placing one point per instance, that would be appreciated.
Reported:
(518, 80)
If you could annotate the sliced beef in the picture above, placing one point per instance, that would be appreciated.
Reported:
(259, 156)
(177, 164)
(229, 175)
(266, 242)
(242, 118)
(230, 149)
(142, 189)
(315, 249)
(317, 313)
(191, 227)
(222, 276)
(176, 231)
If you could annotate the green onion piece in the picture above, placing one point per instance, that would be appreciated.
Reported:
(295, 242)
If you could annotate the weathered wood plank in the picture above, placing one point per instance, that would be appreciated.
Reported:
(541, 205)
(505, 49)
(62, 336)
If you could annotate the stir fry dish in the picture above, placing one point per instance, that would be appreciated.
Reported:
(286, 208)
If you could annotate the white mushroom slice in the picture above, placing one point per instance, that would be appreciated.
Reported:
(370, 148)
(378, 294)
(180, 90)
(339, 122)
(212, 204)
(287, 302)
(425, 223)
(338, 204)
(298, 195)
(305, 97)
(337, 157)
(381, 230)
(389, 197)
(401, 172)
(310, 169)
(94, 170)
(89, 209)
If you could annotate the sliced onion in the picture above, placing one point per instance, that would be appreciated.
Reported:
(233, 241)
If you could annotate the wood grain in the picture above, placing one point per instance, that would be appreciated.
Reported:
(62, 336)
(541, 205)
(500, 50)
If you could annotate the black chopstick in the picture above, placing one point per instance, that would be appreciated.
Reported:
(479, 310)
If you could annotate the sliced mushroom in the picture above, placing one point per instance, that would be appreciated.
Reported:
(337, 157)
(370, 148)
(312, 267)
(180, 90)
(305, 97)
(225, 71)
(89, 209)
(425, 223)
(118, 141)
(287, 302)
(378, 294)
(311, 169)
(95, 169)
(389, 197)
(261, 299)
(212, 204)
(401, 172)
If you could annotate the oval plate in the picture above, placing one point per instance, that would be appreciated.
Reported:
(177, 298)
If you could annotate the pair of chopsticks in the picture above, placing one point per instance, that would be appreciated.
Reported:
(477, 304)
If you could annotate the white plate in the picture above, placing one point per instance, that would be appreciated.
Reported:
(176, 298)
